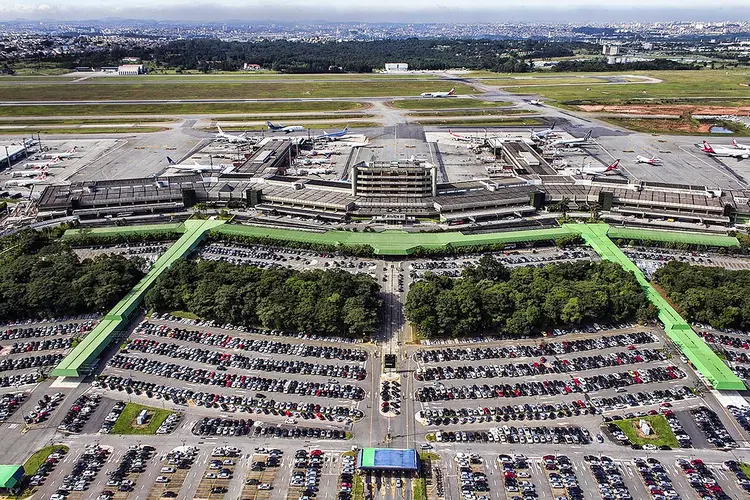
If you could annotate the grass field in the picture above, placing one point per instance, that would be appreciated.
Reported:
(287, 119)
(417, 104)
(177, 109)
(39, 457)
(86, 121)
(542, 80)
(419, 489)
(125, 423)
(358, 488)
(473, 112)
(215, 90)
(484, 122)
(266, 75)
(663, 433)
(675, 126)
(72, 131)
(698, 86)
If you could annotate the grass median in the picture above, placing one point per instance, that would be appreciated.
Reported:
(126, 423)
(39, 457)
(661, 432)
(448, 103)
(178, 108)
(81, 131)
(484, 122)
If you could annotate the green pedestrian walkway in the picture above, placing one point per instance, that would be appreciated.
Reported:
(82, 358)
(691, 345)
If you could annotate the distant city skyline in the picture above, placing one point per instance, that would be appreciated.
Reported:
(580, 11)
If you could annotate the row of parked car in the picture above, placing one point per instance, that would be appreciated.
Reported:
(254, 345)
(542, 411)
(283, 431)
(657, 396)
(111, 417)
(46, 467)
(742, 478)
(222, 359)
(43, 408)
(170, 423)
(30, 362)
(41, 345)
(254, 330)
(544, 366)
(562, 475)
(79, 412)
(18, 379)
(133, 461)
(725, 340)
(84, 471)
(741, 414)
(440, 392)
(656, 479)
(519, 435)
(28, 332)
(534, 350)
(229, 403)
(712, 427)
(702, 480)
(609, 478)
(9, 403)
(237, 381)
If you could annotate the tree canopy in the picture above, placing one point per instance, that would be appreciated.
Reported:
(330, 302)
(40, 277)
(712, 295)
(489, 298)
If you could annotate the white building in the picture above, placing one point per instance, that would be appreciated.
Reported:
(396, 67)
(130, 70)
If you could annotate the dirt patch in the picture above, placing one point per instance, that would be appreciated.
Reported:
(665, 109)
(656, 125)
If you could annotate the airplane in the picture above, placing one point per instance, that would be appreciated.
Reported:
(28, 173)
(465, 138)
(740, 146)
(645, 159)
(42, 164)
(66, 154)
(26, 182)
(282, 128)
(333, 136)
(543, 134)
(589, 170)
(569, 143)
(196, 167)
(740, 154)
(450, 93)
(221, 135)
(315, 161)
(536, 102)
(321, 152)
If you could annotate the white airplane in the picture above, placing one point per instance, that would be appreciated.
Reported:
(26, 182)
(70, 152)
(450, 93)
(543, 134)
(589, 170)
(740, 154)
(536, 102)
(197, 167)
(42, 164)
(466, 138)
(740, 146)
(570, 143)
(333, 136)
(314, 161)
(29, 173)
(284, 128)
(221, 135)
(322, 152)
(645, 159)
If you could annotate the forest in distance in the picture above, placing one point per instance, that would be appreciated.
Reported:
(207, 55)
(490, 299)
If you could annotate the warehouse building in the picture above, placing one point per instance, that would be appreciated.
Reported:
(388, 459)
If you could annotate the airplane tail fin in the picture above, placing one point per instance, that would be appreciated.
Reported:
(707, 147)
(734, 143)
(613, 166)
(552, 127)
(170, 161)
(588, 135)
(452, 91)
(219, 129)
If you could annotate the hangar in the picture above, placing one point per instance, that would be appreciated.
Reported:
(388, 459)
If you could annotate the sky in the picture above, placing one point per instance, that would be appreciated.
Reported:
(380, 11)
